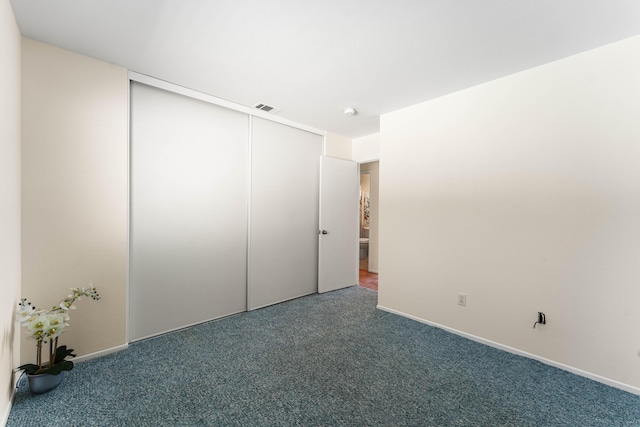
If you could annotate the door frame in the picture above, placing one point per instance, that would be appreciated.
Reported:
(375, 232)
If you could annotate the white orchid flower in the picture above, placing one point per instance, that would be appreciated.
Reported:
(25, 312)
(56, 324)
(67, 304)
(37, 326)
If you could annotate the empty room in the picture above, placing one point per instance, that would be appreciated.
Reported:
(180, 181)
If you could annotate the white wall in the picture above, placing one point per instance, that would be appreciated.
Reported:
(74, 191)
(366, 148)
(9, 201)
(337, 146)
(523, 193)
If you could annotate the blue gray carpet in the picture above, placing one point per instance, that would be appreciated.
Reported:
(322, 360)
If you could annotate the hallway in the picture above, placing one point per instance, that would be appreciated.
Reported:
(366, 279)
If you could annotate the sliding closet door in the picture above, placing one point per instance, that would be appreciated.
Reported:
(283, 255)
(188, 231)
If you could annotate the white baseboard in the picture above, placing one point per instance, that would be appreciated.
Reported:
(5, 416)
(590, 375)
(373, 271)
(100, 353)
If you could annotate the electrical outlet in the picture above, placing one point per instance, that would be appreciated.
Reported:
(462, 299)
(542, 319)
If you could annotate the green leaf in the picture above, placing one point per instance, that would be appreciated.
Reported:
(54, 370)
(28, 368)
(61, 353)
(59, 365)
(66, 365)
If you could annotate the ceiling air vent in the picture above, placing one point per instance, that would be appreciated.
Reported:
(268, 108)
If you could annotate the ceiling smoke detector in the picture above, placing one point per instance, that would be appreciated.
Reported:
(350, 111)
(268, 108)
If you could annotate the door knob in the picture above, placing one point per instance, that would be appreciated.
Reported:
(324, 232)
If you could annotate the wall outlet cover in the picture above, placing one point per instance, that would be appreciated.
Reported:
(462, 299)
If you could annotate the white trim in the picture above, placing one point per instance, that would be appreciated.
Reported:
(324, 144)
(358, 213)
(373, 271)
(127, 307)
(5, 417)
(100, 353)
(363, 162)
(580, 372)
(249, 199)
(171, 87)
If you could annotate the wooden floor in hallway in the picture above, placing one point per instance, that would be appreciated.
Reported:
(367, 279)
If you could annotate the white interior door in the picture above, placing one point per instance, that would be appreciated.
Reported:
(283, 242)
(339, 243)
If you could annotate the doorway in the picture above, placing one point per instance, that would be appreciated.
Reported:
(368, 271)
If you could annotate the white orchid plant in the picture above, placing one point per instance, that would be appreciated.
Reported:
(46, 326)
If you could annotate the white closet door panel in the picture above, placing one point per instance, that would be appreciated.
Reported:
(283, 255)
(188, 235)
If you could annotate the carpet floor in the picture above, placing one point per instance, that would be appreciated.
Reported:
(322, 360)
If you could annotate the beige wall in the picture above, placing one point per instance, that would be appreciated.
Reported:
(74, 191)
(523, 193)
(366, 148)
(9, 201)
(337, 146)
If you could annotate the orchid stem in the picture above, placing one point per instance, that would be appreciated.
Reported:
(39, 354)
(55, 351)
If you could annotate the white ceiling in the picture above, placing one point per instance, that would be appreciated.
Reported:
(314, 58)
